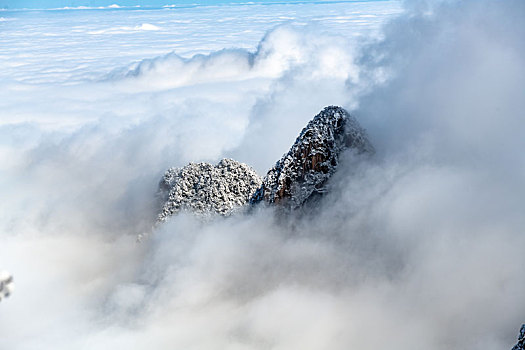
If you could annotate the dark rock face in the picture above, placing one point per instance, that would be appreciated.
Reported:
(205, 189)
(521, 340)
(312, 159)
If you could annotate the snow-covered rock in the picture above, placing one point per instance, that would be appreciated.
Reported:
(521, 340)
(6, 284)
(204, 189)
(312, 159)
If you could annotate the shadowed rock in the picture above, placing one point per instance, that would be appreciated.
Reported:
(205, 189)
(313, 159)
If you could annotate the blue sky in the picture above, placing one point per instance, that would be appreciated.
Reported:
(96, 3)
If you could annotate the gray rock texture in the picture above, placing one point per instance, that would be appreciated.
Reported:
(313, 159)
(298, 176)
(204, 189)
(521, 340)
(6, 284)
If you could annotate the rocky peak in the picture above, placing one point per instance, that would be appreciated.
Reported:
(301, 173)
(204, 188)
(312, 159)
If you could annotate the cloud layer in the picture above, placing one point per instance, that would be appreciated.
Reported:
(420, 247)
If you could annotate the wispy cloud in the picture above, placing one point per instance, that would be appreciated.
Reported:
(419, 247)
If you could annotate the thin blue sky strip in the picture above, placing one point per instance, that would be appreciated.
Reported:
(48, 4)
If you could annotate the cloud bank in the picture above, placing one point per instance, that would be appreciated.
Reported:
(420, 247)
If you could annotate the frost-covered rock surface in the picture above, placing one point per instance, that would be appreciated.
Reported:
(6, 284)
(312, 159)
(521, 340)
(204, 189)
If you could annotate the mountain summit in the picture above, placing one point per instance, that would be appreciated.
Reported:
(313, 159)
(299, 175)
(204, 189)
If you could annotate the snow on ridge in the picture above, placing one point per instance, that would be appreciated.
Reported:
(204, 189)
(300, 174)
(314, 157)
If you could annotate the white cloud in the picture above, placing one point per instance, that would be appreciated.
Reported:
(419, 247)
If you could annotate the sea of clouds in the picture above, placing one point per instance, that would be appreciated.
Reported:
(420, 247)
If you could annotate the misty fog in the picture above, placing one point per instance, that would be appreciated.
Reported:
(417, 247)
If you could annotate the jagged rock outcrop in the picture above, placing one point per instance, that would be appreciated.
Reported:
(204, 188)
(299, 175)
(521, 340)
(312, 159)
(6, 285)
